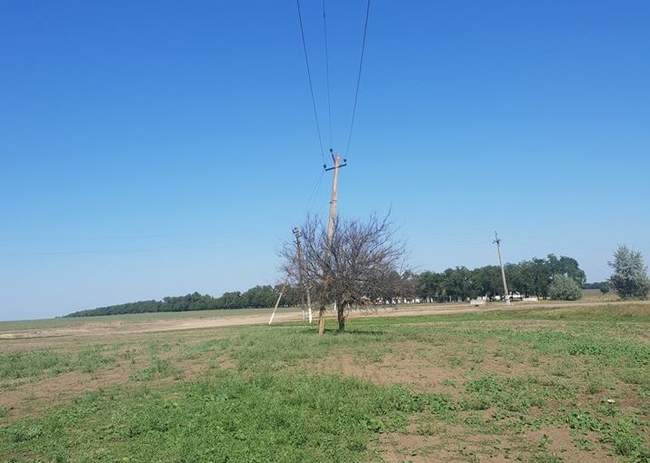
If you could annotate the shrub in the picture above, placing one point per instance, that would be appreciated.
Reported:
(630, 277)
(564, 288)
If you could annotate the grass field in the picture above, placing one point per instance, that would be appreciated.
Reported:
(548, 385)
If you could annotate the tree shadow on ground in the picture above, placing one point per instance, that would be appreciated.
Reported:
(355, 332)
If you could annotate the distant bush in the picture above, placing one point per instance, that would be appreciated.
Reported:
(564, 288)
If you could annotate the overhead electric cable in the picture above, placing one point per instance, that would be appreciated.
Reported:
(311, 87)
(317, 184)
(356, 91)
(327, 76)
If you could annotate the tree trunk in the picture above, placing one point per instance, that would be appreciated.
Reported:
(340, 312)
(321, 320)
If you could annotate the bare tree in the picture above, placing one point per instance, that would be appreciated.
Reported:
(354, 268)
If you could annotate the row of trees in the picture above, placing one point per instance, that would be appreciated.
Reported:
(360, 264)
(553, 277)
(255, 297)
(530, 278)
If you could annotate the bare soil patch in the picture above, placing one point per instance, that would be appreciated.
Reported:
(404, 366)
(442, 443)
(426, 368)
(123, 326)
(560, 443)
(35, 397)
(453, 443)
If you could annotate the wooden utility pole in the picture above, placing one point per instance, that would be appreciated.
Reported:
(331, 222)
(304, 289)
(506, 295)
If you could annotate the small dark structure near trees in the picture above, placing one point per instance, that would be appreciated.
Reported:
(352, 268)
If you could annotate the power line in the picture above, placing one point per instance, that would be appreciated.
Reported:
(327, 75)
(317, 184)
(311, 87)
(356, 91)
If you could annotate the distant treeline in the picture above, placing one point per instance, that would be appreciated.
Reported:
(530, 278)
(258, 296)
(602, 285)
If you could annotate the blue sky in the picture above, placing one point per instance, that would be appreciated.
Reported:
(153, 148)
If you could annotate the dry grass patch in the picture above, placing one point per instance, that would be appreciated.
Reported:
(404, 365)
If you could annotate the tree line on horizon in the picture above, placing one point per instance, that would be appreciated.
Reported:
(530, 278)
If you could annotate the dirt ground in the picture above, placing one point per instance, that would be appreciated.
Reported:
(90, 327)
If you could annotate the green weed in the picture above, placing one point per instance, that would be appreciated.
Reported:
(92, 359)
(510, 394)
(624, 439)
(158, 368)
(228, 418)
(583, 421)
(32, 363)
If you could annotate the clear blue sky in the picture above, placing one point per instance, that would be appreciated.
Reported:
(158, 148)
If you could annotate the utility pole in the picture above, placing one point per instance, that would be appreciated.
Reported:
(304, 289)
(331, 221)
(497, 241)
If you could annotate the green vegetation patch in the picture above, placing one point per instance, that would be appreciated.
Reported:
(626, 441)
(509, 394)
(228, 418)
(27, 364)
(32, 364)
(92, 359)
(583, 344)
(268, 394)
(158, 368)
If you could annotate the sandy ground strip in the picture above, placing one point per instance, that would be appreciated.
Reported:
(122, 326)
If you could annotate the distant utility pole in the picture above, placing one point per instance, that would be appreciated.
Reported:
(497, 241)
(304, 289)
(331, 221)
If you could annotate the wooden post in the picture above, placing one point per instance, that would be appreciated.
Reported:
(331, 222)
(309, 304)
(277, 303)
